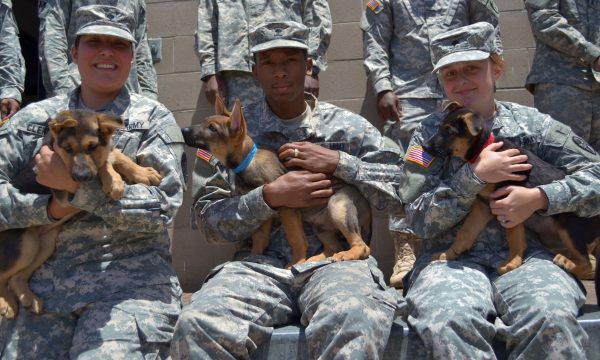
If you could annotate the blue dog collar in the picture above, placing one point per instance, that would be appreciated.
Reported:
(241, 167)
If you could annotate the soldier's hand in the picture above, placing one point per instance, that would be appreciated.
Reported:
(215, 85)
(298, 189)
(9, 107)
(52, 172)
(388, 106)
(493, 166)
(512, 205)
(311, 85)
(309, 156)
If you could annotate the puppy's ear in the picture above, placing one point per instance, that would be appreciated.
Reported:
(63, 120)
(220, 108)
(451, 106)
(472, 122)
(237, 124)
(108, 123)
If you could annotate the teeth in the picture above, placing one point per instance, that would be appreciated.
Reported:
(105, 66)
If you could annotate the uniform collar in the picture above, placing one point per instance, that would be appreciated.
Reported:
(305, 130)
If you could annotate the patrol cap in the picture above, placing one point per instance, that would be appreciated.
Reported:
(468, 43)
(284, 34)
(105, 20)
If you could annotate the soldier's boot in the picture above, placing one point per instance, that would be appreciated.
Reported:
(405, 245)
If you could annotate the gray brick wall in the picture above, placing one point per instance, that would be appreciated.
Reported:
(344, 84)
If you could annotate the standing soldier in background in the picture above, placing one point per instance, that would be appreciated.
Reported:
(565, 74)
(222, 43)
(57, 35)
(12, 65)
(397, 57)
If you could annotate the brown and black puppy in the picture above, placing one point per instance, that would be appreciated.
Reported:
(83, 140)
(225, 136)
(463, 134)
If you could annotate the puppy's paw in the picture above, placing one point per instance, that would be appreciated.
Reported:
(115, 189)
(564, 262)
(441, 256)
(147, 176)
(37, 305)
(357, 252)
(8, 306)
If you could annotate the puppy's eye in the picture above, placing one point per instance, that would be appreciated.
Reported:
(212, 128)
(92, 147)
(68, 149)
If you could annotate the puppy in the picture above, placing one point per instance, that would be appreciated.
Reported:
(83, 140)
(463, 134)
(225, 136)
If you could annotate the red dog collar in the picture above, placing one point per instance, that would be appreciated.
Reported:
(487, 143)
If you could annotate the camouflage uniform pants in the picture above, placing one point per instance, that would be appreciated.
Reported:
(345, 306)
(575, 107)
(242, 85)
(138, 325)
(457, 309)
(413, 112)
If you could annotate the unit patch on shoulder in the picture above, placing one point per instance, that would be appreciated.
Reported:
(375, 6)
(582, 144)
(417, 155)
(204, 155)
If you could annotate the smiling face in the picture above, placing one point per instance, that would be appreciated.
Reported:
(281, 73)
(471, 83)
(104, 62)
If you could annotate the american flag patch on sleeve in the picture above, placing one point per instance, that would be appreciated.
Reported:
(417, 155)
(375, 6)
(204, 155)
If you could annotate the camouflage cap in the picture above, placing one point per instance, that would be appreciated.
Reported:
(468, 43)
(105, 20)
(284, 34)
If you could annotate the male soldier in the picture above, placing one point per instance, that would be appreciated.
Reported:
(12, 66)
(57, 35)
(346, 307)
(222, 43)
(397, 58)
(565, 74)
(109, 289)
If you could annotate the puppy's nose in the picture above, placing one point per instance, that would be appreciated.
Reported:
(188, 136)
(82, 175)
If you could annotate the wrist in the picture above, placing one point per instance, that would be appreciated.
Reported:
(268, 197)
(541, 200)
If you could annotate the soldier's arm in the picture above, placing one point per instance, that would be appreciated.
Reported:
(205, 38)
(378, 30)
(317, 18)
(553, 29)
(53, 48)
(144, 208)
(12, 65)
(579, 191)
(146, 73)
(485, 10)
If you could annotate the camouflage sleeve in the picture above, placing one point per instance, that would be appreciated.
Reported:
(219, 214)
(317, 18)
(19, 210)
(486, 10)
(378, 30)
(551, 28)
(144, 208)
(205, 38)
(441, 200)
(12, 65)
(54, 18)
(579, 191)
(376, 171)
(146, 73)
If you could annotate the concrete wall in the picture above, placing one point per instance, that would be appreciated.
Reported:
(344, 84)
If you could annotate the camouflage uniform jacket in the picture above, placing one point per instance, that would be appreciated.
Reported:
(57, 35)
(12, 65)
(224, 25)
(567, 35)
(365, 157)
(111, 246)
(451, 186)
(396, 36)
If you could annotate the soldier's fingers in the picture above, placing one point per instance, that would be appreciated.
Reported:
(520, 167)
(518, 159)
(321, 194)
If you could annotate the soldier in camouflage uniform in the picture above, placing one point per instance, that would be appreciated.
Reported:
(346, 307)
(109, 290)
(397, 57)
(458, 307)
(224, 52)
(12, 65)
(57, 35)
(565, 74)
